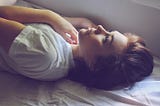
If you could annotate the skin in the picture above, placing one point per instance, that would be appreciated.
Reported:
(95, 42)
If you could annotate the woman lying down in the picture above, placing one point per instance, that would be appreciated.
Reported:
(42, 45)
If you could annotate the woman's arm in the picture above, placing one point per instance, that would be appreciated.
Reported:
(9, 30)
(30, 15)
(60, 24)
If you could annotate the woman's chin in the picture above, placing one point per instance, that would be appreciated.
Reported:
(82, 32)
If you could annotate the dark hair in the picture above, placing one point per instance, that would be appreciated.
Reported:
(121, 70)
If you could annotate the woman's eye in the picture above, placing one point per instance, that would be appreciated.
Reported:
(105, 39)
(97, 31)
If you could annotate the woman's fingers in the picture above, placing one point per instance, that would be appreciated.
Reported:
(72, 38)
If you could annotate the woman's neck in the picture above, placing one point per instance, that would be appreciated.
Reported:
(76, 51)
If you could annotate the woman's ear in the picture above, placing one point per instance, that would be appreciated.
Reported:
(7, 2)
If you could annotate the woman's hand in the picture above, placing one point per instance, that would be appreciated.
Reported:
(65, 28)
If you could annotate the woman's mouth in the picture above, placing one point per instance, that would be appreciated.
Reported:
(88, 31)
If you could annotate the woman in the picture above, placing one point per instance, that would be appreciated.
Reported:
(96, 58)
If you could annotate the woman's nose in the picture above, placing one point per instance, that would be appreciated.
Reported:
(101, 30)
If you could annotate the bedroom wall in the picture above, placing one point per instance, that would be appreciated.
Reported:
(7, 2)
(140, 17)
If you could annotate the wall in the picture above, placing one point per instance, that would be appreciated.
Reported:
(123, 15)
(7, 2)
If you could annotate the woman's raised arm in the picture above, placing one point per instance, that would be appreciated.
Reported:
(30, 15)
(9, 30)
(27, 15)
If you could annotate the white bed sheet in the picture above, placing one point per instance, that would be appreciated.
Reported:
(17, 90)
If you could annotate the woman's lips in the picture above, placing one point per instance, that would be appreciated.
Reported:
(88, 31)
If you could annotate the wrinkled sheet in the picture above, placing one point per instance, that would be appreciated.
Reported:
(16, 90)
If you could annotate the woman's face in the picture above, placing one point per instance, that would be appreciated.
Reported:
(95, 42)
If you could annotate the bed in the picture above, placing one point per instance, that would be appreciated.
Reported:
(16, 90)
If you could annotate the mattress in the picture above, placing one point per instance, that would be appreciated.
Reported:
(16, 90)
